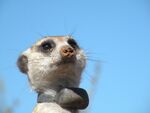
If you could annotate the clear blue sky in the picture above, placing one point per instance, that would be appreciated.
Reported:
(117, 32)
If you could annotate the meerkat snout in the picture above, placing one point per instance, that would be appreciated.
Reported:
(67, 52)
(53, 62)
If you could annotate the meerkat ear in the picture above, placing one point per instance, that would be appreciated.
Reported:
(22, 64)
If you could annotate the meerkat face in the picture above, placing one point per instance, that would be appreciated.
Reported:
(53, 62)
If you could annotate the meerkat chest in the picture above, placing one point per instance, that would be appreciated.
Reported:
(50, 108)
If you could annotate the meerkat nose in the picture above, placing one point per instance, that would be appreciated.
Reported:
(67, 52)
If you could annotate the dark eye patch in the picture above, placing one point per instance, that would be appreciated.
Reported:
(73, 43)
(47, 46)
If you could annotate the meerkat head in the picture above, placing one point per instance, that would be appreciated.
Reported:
(53, 62)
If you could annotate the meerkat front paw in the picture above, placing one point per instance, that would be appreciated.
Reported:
(73, 98)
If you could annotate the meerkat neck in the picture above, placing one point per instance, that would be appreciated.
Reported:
(51, 92)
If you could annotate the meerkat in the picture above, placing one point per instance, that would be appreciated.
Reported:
(53, 66)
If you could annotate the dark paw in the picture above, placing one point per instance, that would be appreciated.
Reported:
(73, 98)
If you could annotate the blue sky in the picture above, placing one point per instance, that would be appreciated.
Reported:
(116, 32)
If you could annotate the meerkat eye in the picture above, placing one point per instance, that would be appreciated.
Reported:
(73, 43)
(47, 46)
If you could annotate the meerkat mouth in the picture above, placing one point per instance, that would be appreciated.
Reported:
(67, 61)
